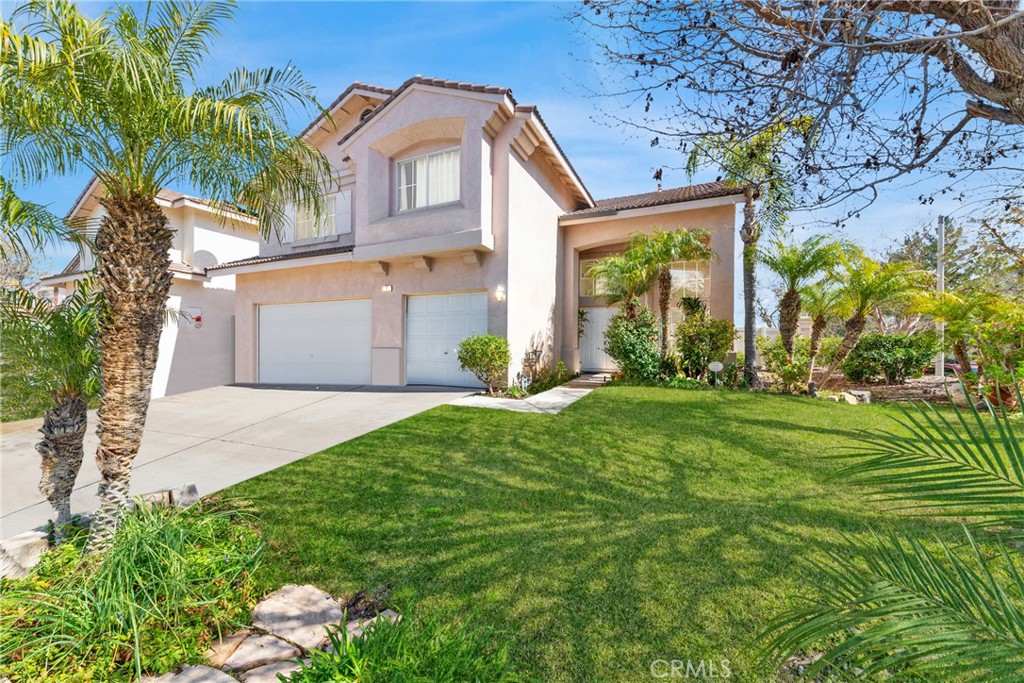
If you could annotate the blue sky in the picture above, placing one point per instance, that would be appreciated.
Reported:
(523, 45)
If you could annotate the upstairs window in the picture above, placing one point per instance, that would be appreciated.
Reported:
(336, 219)
(428, 180)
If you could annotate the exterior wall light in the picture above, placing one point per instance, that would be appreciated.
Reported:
(386, 288)
(499, 293)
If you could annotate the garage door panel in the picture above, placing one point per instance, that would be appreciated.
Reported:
(435, 325)
(323, 342)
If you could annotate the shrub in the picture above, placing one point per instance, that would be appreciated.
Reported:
(894, 357)
(701, 339)
(633, 343)
(791, 371)
(171, 579)
(549, 378)
(410, 650)
(486, 356)
(680, 382)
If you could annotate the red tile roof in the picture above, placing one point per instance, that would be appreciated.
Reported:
(675, 195)
(256, 260)
(380, 90)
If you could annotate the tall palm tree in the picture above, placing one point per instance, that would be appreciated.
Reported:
(823, 302)
(864, 284)
(116, 95)
(796, 264)
(658, 251)
(53, 349)
(754, 165)
(622, 278)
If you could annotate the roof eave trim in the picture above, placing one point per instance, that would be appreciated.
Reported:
(298, 262)
(687, 205)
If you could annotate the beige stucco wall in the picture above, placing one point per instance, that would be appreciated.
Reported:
(537, 200)
(719, 220)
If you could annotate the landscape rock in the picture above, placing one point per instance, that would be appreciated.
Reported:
(268, 673)
(192, 674)
(20, 553)
(299, 614)
(183, 496)
(861, 395)
(256, 651)
(849, 398)
(220, 651)
(357, 627)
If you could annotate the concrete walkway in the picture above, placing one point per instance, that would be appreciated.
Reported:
(550, 402)
(214, 437)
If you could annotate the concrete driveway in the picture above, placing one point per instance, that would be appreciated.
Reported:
(215, 438)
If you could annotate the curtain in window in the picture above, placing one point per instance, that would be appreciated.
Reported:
(443, 177)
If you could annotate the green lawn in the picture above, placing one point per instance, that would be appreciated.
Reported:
(639, 524)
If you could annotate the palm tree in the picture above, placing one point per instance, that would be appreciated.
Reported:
(116, 95)
(658, 251)
(796, 264)
(864, 284)
(754, 165)
(54, 349)
(624, 277)
(822, 301)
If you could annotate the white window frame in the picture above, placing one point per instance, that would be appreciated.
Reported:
(426, 180)
(703, 266)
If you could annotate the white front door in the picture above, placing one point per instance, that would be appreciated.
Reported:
(592, 355)
(319, 342)
(434, 326)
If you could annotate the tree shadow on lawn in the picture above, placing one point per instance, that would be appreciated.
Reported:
(601, 539)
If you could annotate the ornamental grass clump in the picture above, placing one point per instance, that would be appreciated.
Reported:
(411, 650)
(171, 581)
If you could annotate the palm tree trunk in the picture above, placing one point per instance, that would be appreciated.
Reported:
(817, 329)
(854, 329)
(789, 319)
(664, 299)
(132, 271)
(61, 449)
(749, 235)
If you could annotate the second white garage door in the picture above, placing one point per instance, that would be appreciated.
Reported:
(320, 342)
(434, 326)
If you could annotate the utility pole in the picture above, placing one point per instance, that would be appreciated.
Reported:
(940, 282)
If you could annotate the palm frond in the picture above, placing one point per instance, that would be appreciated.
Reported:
(27, 226)
(898, 606)
(972, 464)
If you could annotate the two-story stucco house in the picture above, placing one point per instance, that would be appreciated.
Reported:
(196, 348)
(454, 212)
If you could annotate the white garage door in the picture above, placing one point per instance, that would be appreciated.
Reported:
(434, 327)
(322, 342)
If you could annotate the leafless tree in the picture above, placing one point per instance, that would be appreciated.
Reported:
(895, 87)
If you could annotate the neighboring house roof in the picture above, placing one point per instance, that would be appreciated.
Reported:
(169, 196)
(355, 88)
(258, 260)
(675, 195)
(479, 88)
